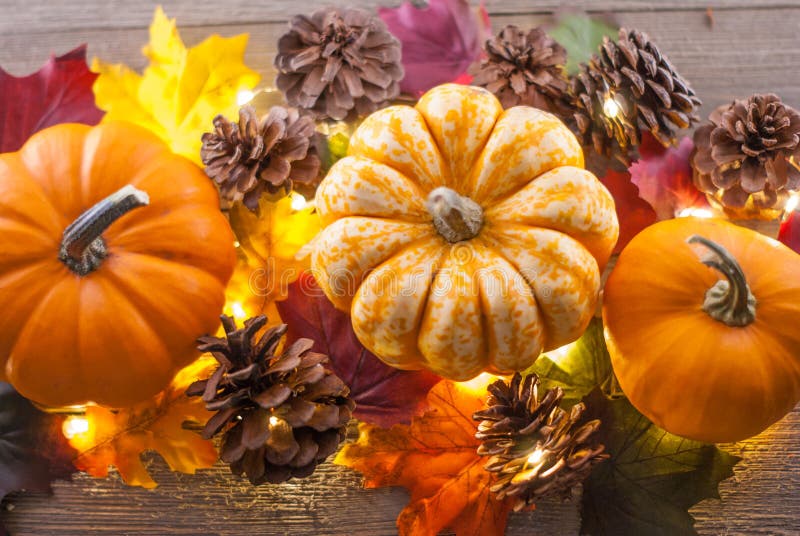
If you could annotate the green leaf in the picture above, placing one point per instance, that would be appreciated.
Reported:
(652, 477)
(585, 366)
(581, 35)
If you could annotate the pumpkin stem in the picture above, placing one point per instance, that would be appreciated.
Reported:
(730, 300)
(82, 246)
(455, 216)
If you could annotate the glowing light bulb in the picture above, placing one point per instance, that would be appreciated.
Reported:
(791, 203)
(238, 311)
(535, 457)
(298, 202)
(695, 213)
(75, 425)
(236, 244)
(273, 421)
(611, 107)
(244, 96)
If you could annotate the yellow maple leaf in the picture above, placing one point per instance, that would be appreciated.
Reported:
(118, 438)
(270, 241)
(181, 90)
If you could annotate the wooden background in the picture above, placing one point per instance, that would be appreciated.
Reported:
(752, 45)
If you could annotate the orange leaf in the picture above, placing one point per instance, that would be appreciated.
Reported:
(119, 438)
(435, 458)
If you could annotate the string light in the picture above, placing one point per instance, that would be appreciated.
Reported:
(478, 384)
(75, 425)
(238, 311)
(791, 203)
(298, 201)
(244, 96)
(273, 421)
(535, 457)
(611, 107)
(695, 213)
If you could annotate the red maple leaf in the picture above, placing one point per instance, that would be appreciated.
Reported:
(60, 92)
(633, 212)
(384, 395)
(664, 178)
(790, 231)
(436, 459)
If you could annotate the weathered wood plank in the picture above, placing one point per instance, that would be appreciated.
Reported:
(19, 16)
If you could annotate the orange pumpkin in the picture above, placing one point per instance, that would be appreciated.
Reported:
(704, 335)
(462, 237)
(113, 259)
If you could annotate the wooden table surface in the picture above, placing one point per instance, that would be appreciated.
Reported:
(753, 46)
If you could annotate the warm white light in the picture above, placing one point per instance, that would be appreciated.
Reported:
(611, 108)
(298, 202)
(535, 457)
(273, 421)
(560, 352)
(244, 96)
(792, 203)
(238, 311)
(479, 383)
(695, 212)
(236, 244)
(75, 425)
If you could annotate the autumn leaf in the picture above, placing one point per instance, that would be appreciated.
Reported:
(33, 451)
(439, 41)
(577, 369)
(384, 395)
(270, 240)
(789, 232)
(633, 212)
(664, 179)
(652, 477)
(60, 92)
(119, 438)
(581, 35)
(435, 458)
(181, 90)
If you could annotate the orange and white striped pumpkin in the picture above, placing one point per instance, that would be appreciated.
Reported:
(461, 237)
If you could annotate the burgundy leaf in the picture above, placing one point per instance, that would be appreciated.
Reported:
(790, 231)
(664, 178)
(33, 451)
(439, 41)
(633, 212)
(60, 92)
(383, 395)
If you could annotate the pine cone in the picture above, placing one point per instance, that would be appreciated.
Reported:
(536, 448)
(338, 61)
(253, 157)
(280, 414)
(749, 153)
(630, 86)
(524, 68)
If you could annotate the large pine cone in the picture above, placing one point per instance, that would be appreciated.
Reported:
(280, 414)
(524, 68)
(338, 61)
(749, 153)
(536, 448)
(257, 156)
(630, 86)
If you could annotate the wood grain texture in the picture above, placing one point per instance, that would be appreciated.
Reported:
(753, 46)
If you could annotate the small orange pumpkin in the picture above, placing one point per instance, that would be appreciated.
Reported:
(102, 300)
(707, 347)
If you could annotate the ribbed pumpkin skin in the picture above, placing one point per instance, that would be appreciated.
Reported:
(527, 282)
(690, 374)
(117, 335)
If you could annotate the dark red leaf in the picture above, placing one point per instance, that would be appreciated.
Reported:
(439, 41)
(664, 178)
(33, 451)
(790, 231)
(384, 395)
(633, 212)
(60, 92)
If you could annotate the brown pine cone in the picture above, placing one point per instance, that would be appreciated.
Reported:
(524, 68)
(628, 87)
(535, 447)
(280, 414)
(253, 157)
(338, 61)
(749, 153)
